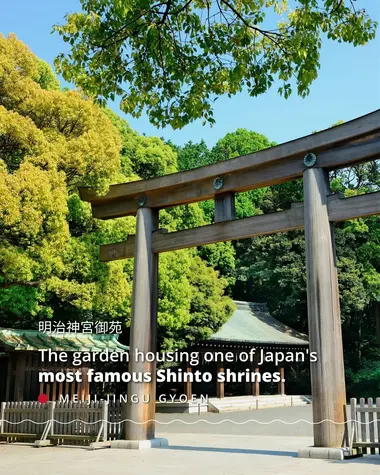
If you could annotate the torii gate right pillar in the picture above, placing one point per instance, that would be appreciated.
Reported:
(325, 333)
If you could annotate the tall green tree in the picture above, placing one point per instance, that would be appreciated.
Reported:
(51, 142)
(144, 157)
(193, 155)
(174, 58)
(240, 142)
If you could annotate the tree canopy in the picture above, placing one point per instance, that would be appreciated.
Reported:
(174, 58)
(51, 142)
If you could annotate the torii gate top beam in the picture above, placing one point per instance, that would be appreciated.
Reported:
(337, 147)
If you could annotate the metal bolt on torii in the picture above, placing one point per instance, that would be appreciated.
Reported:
(310, 158)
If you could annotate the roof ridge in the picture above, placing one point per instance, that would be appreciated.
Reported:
(33, 340)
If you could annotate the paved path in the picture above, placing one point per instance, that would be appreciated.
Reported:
(193, 423)
(199, 449)
(189, 454)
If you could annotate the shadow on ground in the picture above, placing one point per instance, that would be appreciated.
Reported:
(228, 450)
(365, 460)
(279, 421)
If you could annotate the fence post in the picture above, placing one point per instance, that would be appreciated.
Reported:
(371, 423)
(363, 423)
(105, 420)
(124, 416)
(51, 408)
(2, 417)
(354, 429)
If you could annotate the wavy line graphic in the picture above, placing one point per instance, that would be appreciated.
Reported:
(192, 422)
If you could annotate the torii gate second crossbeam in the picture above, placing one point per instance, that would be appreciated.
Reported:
(310, 158)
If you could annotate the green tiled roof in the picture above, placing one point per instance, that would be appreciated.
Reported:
(251, 323)
(32, 340)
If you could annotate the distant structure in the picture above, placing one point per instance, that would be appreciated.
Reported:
(250, 326)
(20, 362)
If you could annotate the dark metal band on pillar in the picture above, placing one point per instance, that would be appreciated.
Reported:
(325, 334)
(143, 328)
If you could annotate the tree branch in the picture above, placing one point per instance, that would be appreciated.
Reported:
(166, 12)
(266, 33)
(32, 283)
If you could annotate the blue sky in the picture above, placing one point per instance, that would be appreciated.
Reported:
(348, 85)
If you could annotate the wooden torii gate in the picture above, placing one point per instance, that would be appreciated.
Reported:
(310, 157)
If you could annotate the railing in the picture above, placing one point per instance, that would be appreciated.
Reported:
(76, 423)
(23, 420)
(365, 426)
(116, 413)
(83, 423)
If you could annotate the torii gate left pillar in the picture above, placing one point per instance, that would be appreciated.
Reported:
(140, 415)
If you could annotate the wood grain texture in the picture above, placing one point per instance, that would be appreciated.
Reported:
(337, 147)
(224, 207)
(219, 385)
(269, 174)
(338, 209)
(325, 334)
(256, 384)
(281, 384)
(224, 231)
(187, 385)
(117, 251)
(143, 333)
(20, 377)
(365, 433)
(353, 207)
